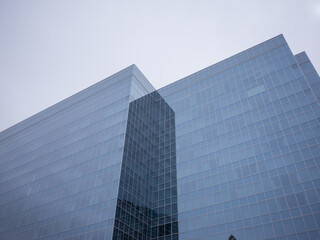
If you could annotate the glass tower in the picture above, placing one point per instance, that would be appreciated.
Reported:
(231, 149)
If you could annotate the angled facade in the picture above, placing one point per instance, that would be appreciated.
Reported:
(231, 149)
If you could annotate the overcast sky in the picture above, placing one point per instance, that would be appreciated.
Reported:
(50, 50)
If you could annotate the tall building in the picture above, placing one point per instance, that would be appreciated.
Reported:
(231, 149)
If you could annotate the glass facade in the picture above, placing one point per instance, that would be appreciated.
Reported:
(231, 149)
(247, 135)
(147, 199)
(60, 169)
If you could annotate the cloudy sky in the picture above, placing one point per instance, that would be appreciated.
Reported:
(50, 50)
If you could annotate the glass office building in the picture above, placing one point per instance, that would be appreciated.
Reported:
(231, 149)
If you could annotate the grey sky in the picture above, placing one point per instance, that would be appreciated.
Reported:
(50, 50)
